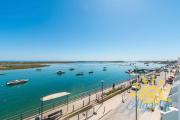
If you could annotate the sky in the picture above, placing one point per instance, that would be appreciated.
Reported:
(89, 30)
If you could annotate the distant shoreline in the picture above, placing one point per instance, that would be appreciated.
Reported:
(10, 65)
(14, 65)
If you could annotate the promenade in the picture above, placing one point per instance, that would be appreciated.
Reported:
(90, 101)
(116, 109)
(126, 111)
(121, 106)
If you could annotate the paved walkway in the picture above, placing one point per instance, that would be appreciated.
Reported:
(78, 104)
(126, 112)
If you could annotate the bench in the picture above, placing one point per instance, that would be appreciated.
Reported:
(54, 115)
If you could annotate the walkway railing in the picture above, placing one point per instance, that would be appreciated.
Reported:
(76, 102)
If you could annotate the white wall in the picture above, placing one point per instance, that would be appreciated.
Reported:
(178, 101)
(170, 115)
(179, 60)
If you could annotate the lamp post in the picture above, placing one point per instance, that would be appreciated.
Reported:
(136, 100)
(42, 109)
(102, 88)
(136, 105)
(129, 82)
(165, 71)
(67, 102)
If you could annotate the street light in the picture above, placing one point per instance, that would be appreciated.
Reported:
(136, 97)
(136, 106)
(165, 70)
(102, 88)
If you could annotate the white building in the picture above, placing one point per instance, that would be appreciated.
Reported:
(174, 112)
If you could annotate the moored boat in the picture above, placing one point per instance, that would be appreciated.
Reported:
(104, 68)
(71, 69)
(16, 82)
(60, 72)
(38, 69)
(91, 72)
(2, 73)
(80, 74)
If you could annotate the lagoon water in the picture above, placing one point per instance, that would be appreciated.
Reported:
(14, 100)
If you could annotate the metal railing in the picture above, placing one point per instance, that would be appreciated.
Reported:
(80, 99)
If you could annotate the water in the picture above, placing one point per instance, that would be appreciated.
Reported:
(14, 100)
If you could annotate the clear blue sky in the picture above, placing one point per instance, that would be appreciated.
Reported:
(89, 29)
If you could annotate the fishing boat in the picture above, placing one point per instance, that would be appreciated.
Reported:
(131, 72)
(91, 72)
(2, 73)
(71, 69)
(38, 69)
(104, 68)
(80, 74)
(16, 82)
(60, 72)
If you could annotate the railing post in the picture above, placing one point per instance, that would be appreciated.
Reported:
(21, 117)
(78, 116)
(73, 107)
(89, 98)
(86, 114)
(104, 109)
(53, 106)
(39, 111)
(93, 109)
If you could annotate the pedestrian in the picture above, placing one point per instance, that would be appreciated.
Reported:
(113, 86)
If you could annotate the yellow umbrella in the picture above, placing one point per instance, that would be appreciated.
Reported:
(150, 94)
(160, 82)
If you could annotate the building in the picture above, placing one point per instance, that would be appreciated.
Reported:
(174, 112)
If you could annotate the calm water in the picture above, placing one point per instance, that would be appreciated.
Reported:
(41, 83)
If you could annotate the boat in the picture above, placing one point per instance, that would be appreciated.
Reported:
(2, 73)
(104, 69)
(80, 74)
(71, 69)
(91, 72)
(60, 72)
(16, 82)
(38, 69)
(129, 72)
